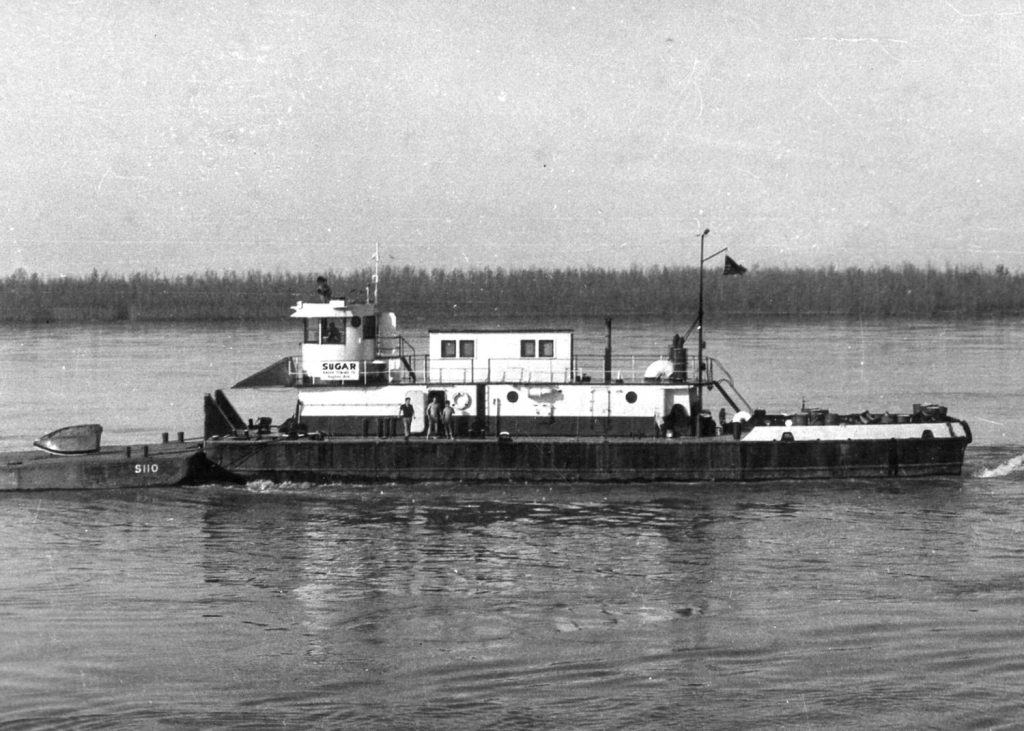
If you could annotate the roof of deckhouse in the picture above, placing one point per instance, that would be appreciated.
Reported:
(334, 308)
(497, 331)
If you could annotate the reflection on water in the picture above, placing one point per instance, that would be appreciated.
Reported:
(803, 604)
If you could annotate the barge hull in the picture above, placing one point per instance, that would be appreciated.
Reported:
(110, 468)
(591, 460)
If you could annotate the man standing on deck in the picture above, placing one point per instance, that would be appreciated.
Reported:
(448, 420)
(433, 418)
(406, 411)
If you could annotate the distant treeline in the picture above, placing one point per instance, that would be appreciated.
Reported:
(907, 291)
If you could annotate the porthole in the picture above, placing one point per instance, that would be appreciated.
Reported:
(630, 397)
(512, 397)
(357, 321)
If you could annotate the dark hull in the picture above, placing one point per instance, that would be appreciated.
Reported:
(112, 467)
(372, 460)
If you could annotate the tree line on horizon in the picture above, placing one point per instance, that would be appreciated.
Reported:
(888, 292)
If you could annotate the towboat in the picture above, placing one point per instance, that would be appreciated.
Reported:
(522, 405)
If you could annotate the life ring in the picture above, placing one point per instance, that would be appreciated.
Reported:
(462, 401)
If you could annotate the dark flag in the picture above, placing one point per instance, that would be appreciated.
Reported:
(731, 267)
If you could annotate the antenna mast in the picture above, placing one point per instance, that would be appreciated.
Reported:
(700, 337)
(376, 270)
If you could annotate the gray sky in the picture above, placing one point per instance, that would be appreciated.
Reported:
(173, 136)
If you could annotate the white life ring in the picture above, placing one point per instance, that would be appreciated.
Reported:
(462, 401)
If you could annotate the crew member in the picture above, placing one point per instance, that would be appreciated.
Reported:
(406, 411)
(448, 420)
(333, 333)
(323, 289)
(433, 418)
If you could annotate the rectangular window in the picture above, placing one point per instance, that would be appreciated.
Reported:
(547, 348)
(527, 348)
(332, 333)
(447, 348)
(324, 331)
(467, 349)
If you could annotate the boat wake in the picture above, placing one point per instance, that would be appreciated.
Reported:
(1010, 466)
(269, 486)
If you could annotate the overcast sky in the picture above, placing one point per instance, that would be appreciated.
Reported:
(172, 136)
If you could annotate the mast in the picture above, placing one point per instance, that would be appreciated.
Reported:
(700, 333)
(700, 339)
(376, 271)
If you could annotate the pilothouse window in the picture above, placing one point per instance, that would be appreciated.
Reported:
(325, 331)
(547, 348)
(447, 348)
(332, 333)
(527, 348)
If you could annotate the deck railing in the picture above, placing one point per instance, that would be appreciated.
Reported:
(403, 366)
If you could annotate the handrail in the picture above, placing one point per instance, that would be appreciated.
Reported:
(728, 380)
(393, 352)
(401, 365)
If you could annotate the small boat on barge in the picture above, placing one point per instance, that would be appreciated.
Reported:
(524, 406)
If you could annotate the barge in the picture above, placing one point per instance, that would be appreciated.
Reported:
(371, 460)
(522, 405)
(73, 459)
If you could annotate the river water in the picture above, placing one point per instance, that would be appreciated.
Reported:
(857, 604)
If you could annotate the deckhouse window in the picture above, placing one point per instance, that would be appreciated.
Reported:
(323, 331)
(458, 348)
(331, 333)
(535, 348)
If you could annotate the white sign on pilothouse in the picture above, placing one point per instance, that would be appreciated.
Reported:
(339, 370)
